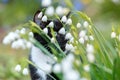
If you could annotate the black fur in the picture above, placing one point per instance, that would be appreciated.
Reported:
(60, 38)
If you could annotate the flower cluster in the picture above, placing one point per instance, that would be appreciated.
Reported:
(16, 41)
(24, 71)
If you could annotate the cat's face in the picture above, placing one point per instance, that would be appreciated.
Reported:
(57, 26)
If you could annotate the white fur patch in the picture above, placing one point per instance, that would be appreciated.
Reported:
(41, 60)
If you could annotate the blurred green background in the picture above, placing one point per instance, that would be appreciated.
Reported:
(104, 14)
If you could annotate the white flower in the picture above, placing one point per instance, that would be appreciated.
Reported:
(87, 68)
(20, 43)
(23, 31)
(85, 24)
(115, 1)
(69, 21)
(30, 34)
(90, 57)
(91, 38)
(46, 3)
(78, 25)
(59, 10)
(25, 71)
(68, 36)
(51, 24)
(82, 33)
(10, 38)
(64, 19)
(28, 45)
(18, 68)
(62, 31)
(44, 18)
(81, 40)
(72, 40)
(45, 30)
(40, 15)
(17, 31)
(69, 47)
(53, 40)
(113, 35)
(50, 11)
(90, 48)
(71, 75)
(57, 68)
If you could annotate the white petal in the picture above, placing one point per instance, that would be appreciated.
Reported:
(113, 35)
(57, 68)
(90, 57)
(64, 19)
(87, 68)
(51, 24)
(69, 21)
(18, 68)
(59, 10)
(46, 3)
(82, 33)
(44, 18)
(25, 71)
(68, 36)
(53, 40)
(78, 25)
(90, 48)
(85, 24)
(62, 31)
(23, 31)
(50, 11)
(81, 40)
(45, 30)
(40, 15)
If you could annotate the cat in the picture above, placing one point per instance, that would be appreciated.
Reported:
(40, 59)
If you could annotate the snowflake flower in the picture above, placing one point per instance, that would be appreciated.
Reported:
(57, 68)
(18, 68)
(25, 71)
(45, 30)
(90, 48)
(59, 10)
(81, 40)
(78, 25)
(85, 24)
(40, 15)
(46, 3)
(90, 57)
(44, 18)
(87, 68)
(50, 11)
(82, 33)
(68, 36)
(62, 31)
(113, 35)
(51, 24)
(69, 21)
(64, 19)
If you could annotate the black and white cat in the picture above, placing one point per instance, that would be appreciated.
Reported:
(43, 61)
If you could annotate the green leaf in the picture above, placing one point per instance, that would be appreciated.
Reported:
(116, 70)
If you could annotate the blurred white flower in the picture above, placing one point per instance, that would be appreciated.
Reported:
(18, 68)
(28, 45)
(78, 25)
(91, 38)
(72, 40)
(69, 47)
(30, 34)
(53, 40)
(46, 3)
(64, 19)
(116, 1)
(71, 75)
(50, 11)
(25, 71)
(40, 15)
(57, 68)
(85, 24)
(82, 33)
(90, 48)
(62, 31)
(44, 18)
(59, 10)
(91, 57)
(45, 30)
(51, 24)
(17, 31)
(23, 31)
(87, 68)
(69, 21)
(81, 40)
(113, 35)
(20, 43)
(68, 36)
(10, 38)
